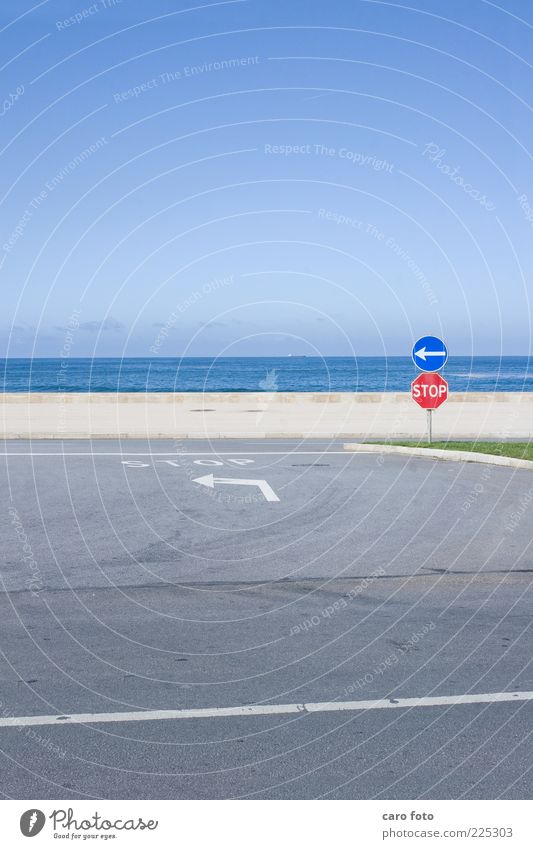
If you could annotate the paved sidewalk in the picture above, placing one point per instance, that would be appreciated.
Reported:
(500, 415)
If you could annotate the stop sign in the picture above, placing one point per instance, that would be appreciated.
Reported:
(429, 390)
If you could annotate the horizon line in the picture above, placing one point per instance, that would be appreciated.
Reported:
(264, 357)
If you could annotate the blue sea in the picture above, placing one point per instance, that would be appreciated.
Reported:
(259, 374)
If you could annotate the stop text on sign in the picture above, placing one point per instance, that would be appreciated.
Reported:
(431, 391)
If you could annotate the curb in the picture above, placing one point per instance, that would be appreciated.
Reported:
(441, 454)
(28, 435)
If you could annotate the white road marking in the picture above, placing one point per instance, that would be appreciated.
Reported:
(138, 464)
(264, 486)
(164, 453)
(265, 710)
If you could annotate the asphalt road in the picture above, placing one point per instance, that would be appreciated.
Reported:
(129, 585)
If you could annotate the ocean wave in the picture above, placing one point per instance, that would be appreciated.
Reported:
(490, 375)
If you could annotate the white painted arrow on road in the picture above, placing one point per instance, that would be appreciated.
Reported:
(266, 489)
(422, 353)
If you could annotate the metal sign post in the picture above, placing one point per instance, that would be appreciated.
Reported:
(429, 414)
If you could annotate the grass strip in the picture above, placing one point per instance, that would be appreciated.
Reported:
(520, 450)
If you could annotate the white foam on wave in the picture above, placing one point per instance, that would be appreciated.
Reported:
(501, 375)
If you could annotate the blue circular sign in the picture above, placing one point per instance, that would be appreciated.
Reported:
(429, 353)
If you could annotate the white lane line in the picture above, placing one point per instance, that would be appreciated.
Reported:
(264, 710)
(168, 453)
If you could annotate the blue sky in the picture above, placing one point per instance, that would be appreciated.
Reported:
(263, 178)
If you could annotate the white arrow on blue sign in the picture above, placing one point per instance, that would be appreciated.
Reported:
(429, 353)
